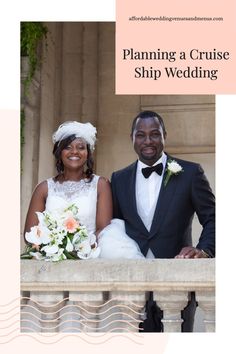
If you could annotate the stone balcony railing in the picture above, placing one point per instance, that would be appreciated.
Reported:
(104, 296)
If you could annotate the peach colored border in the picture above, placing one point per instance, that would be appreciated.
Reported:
(176, 36)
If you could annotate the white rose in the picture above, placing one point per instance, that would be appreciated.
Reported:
(174, 167)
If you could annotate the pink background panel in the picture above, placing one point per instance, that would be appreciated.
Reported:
(175, 36)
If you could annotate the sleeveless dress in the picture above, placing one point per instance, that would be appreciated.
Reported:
(112, 240)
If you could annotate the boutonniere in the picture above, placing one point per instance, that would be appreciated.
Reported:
(173, 168)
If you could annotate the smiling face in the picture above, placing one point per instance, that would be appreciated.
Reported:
(75, 154)
(148, 140)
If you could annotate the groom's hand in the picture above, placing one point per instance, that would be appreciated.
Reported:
(191, 252)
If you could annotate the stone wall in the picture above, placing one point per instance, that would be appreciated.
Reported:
(109, 295)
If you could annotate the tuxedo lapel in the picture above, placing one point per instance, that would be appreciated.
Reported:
(164, 200)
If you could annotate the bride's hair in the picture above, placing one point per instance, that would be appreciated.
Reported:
(59, 146)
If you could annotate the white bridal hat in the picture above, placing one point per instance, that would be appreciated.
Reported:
(85, 131)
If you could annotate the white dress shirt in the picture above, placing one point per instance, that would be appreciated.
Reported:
(147, 192)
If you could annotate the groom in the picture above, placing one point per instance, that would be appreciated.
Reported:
(157, 197)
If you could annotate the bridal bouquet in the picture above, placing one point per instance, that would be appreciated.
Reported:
(60, 235)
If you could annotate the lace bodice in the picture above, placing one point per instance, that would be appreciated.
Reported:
(81, 193)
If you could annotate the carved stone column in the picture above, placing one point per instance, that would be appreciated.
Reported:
(89, 304)
(124, 311)
(206, 301)
(29, 315)
(70, 317)
(48, 305)
(171, 303)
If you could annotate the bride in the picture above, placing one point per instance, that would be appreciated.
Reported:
(76, 184)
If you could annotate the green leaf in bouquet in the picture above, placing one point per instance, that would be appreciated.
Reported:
(26, 254)
(70, 255)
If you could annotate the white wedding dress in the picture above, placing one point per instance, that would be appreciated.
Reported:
(113, 241)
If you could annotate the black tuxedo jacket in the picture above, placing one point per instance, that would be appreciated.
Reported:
(171, 229)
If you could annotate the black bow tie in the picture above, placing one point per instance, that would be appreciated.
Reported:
(147, 171)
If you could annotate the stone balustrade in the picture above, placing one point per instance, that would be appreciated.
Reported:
(109, 296)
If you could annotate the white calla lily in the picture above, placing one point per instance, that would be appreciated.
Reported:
(38, 235)
(50, 249)
(84, 249)
(40, 217)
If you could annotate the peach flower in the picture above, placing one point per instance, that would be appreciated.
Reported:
(71, 224)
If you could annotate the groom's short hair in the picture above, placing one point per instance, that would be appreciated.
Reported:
(148, 114)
